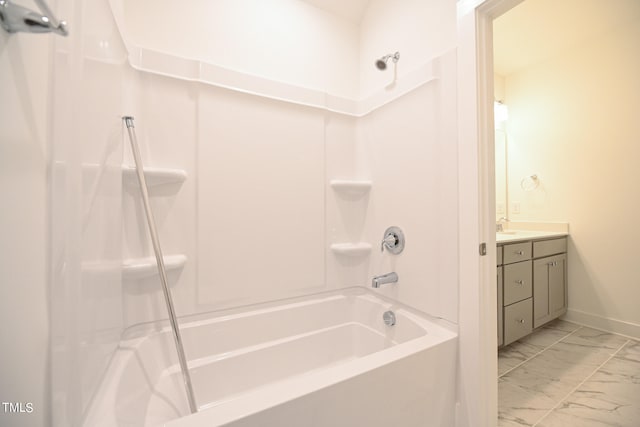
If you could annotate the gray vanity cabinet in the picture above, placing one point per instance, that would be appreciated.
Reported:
(532, 286)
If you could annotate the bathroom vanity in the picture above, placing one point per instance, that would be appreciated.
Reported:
(532, 281)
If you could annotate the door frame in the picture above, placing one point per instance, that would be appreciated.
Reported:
(477, 320)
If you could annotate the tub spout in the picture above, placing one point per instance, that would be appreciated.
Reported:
(384, 279)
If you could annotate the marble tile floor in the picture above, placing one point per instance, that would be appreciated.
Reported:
(566, 375)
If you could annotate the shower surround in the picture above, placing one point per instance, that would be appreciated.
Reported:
(243, 136)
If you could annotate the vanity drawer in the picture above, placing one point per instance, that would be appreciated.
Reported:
(517, 282)
(516, 252)
(518, 319)
(549, 247)
(499, 255)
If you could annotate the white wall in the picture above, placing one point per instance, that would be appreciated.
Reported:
(408, 150)
(573, 122)
(261, 175)
(256, 216)
(24, 313)
(284, 40)
(420, 30)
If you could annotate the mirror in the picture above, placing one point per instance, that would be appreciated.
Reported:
(501, 115)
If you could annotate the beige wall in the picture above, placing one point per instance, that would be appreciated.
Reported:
(24, 334)
(498, 87)
(573, 121)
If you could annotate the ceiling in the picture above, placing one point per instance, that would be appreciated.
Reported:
(351, 10)
(533, 31)
(537, 30)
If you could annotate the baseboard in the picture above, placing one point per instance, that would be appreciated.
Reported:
(620, 327)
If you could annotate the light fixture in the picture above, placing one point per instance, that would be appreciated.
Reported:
(500, 112)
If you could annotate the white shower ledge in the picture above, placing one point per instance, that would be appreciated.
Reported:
(351, 249)
(140, 268)
(154, 176)
(351, 187)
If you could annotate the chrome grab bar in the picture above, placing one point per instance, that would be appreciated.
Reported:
(160, 260)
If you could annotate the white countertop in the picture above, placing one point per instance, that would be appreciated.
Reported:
(510, 236)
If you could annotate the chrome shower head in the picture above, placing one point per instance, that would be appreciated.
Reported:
(382, 62)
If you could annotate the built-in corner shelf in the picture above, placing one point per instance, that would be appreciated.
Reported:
(154, 176)
(351, 249)
(140, 268)
(351, 187)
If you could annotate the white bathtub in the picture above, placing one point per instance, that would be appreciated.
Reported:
(325, 360)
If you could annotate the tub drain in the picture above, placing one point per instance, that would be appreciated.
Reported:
(389, 318)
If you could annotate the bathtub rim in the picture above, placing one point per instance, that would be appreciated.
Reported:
(148, 329)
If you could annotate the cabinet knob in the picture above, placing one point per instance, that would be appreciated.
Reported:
(519, 252)
(520, 320)
(520, 282)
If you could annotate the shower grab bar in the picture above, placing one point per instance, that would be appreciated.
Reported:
(14, 18)
(160, 260)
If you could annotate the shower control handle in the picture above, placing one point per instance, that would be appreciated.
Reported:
(393, 240)
(388, 241)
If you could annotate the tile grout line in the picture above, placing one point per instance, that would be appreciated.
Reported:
(581, 383)
(540, 352)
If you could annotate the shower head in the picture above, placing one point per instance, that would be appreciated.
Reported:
(382, 62)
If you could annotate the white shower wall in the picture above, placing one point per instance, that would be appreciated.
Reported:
(255, 216)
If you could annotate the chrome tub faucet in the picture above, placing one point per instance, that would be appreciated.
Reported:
(384, 279)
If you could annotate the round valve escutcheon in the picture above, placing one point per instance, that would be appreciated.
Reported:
(393, 240)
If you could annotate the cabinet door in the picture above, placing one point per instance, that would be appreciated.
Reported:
(558, 286)
(549, 288)
(500, 308)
